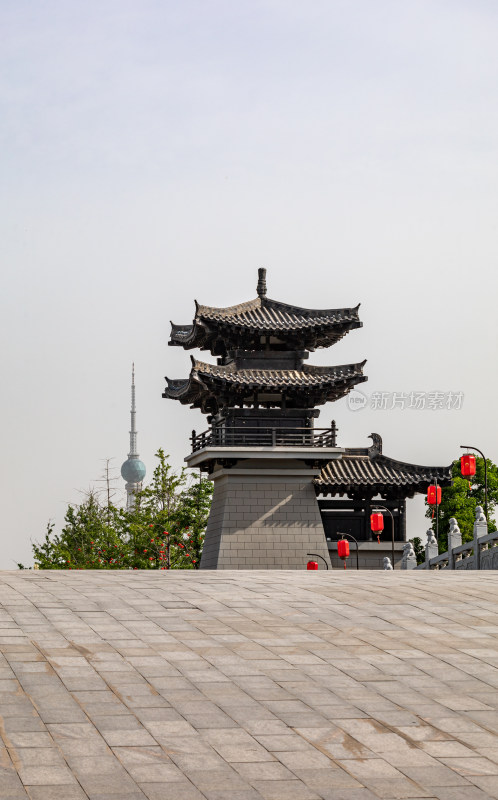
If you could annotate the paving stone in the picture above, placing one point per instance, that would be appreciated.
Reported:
(107, 764)
(10, 783)
(162, 791)
(195, 759)
(116, 793)
(148, 764)
(28, 739)
(164, 729)
(327, 778)
(264, 771)
(285, 790)
(249, 685)
(488, 784)
(236, 746)
(447, 749)
(471, 766)
(109, 784)
(222, 794)
(51, 775)
(36, 756)
(382, 778)
(33, 723)
(304, 759)
(56, 793)
(119, 738)
(334, 793)
(334, 743)
(222, 778)
(438, 775)
(459, 793)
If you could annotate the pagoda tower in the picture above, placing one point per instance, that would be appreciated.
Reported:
(262, 449)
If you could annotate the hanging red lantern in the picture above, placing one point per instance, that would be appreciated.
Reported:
(343, 548)
(468, 466)
(312, 565)
(377, 522)
(434, 495)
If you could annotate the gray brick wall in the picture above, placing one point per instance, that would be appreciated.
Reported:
(259, 522)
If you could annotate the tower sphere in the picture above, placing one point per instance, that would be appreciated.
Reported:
(133, 470)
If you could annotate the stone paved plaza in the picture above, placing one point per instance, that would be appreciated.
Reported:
(248, 685)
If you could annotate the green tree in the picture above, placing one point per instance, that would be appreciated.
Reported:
(90, 539)
(460, 500)
(192, 514)
(164, 530)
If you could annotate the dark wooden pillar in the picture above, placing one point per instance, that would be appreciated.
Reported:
(368, 511)
(402, 519)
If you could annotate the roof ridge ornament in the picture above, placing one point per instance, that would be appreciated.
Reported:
(376, 446)
(261, 287)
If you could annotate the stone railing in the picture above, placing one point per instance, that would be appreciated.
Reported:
(480, 553)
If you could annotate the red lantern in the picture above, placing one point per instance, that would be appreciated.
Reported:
(434, 495)
(343, 548)
(312, 565)
(468, 466)
(377, 522)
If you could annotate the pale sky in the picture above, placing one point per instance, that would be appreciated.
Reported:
(154, 152)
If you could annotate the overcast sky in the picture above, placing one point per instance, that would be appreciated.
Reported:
(157, 151)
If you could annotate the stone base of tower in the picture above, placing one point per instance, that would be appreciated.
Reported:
(263, 516)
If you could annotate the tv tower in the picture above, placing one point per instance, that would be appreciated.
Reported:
(133, 470)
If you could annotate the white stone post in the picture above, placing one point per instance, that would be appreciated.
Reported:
(431, 548)
(454, 540)
(387, 563)
(409, 560)
(480, 530)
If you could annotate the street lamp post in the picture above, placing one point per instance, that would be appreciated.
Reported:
(471, 447)
(437, 514)
(383, 508)
(317, 555)
(434, 499)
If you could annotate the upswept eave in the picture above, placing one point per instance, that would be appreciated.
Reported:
(266, 316)
(205, 380)
(308, 375)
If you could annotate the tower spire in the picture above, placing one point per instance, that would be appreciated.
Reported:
(133, 414)
(133, 470)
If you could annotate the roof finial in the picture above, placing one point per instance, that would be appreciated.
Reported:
(261, 288)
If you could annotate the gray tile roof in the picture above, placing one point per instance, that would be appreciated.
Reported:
(319, 328)
(309, 375)
(205, 378)
(370, 469)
